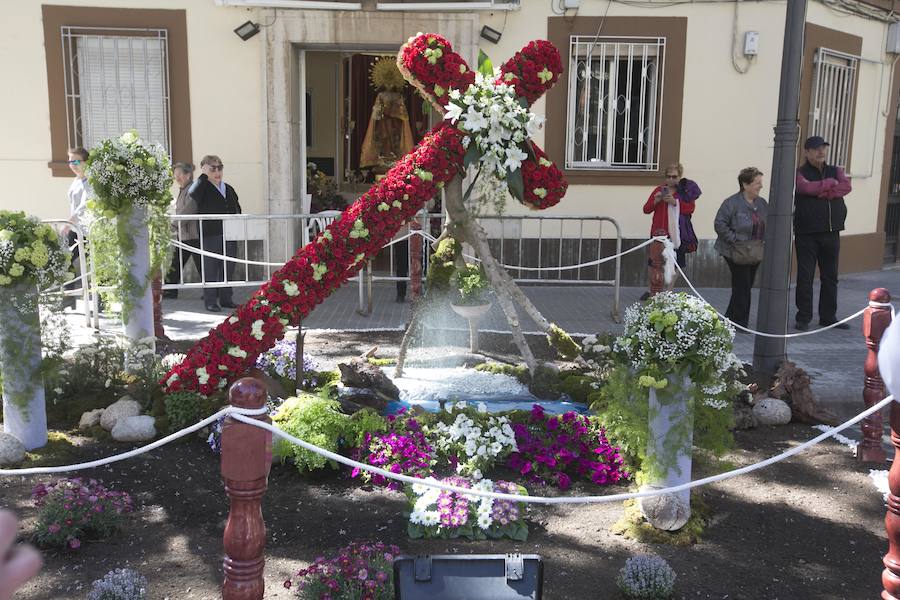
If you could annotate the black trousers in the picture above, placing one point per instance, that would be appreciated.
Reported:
(214, 269)
(742, 278)
(401, 260)
(180, 258)
(822, 249)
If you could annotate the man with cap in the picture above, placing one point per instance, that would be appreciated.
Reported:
(819, 213)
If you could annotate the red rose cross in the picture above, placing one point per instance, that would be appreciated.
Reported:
(337, 254)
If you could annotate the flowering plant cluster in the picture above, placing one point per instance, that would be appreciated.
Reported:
(281, 361)
(646, 577)
(438, 513)
(407, 453)
(74, 509)
(340, 251)
(473, 440)
(119, 584)
(126, 172)
(675, 332)
(554, 449)
(358, 572)
(30, 252)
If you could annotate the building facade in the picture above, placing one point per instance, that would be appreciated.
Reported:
(646, 84)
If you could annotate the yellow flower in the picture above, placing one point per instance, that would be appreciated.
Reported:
(4, 280)
(22, 254)
(39, 255)
(16, 270)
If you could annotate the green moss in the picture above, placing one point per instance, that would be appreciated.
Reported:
(563, 343)
(442, 265)
(578, 387)
(633, 526)
(59, 450)
(66, 414)
(545, 383)
(382, 362)
(520, 372)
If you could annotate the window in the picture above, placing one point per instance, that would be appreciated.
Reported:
(615, 100)
(833, 101)
(114, 69)
(116, 81)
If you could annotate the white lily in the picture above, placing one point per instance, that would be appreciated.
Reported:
(454, 111)
(514, 158)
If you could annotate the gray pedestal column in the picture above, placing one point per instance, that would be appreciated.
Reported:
(139, 322)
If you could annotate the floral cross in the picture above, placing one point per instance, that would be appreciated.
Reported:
(316, 270)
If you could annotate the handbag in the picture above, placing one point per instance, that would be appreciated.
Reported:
(747, 252)
(688, 237)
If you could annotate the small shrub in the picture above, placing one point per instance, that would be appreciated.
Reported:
(407, 453)
(75, 509)
(315, 420)
(280, 362)
(646, 577)
(578, 387)
(358, 571)
(182, 409)
(119, 584)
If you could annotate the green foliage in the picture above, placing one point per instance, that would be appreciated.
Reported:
(622, 407)
(472, 283)
(485, 67)
(182, 409)
(31, 252)
(59, 450)
(632, 525)
(578, 387)
(316, 420)
(382, 362)
(362, 422)
(563, 343)
(520, 372)
(545, 383)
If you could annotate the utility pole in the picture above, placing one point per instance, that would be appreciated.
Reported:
(774, 292)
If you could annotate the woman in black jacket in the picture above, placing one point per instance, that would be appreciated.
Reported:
(215, 197)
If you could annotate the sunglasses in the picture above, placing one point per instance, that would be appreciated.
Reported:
(216, 167)
(75, 162)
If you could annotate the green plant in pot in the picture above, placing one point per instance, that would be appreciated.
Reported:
(473, 302)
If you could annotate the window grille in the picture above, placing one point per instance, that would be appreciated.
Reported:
(833, 101)
(116, 80)
(615, 103)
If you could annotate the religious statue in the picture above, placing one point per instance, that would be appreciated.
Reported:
(389, 135)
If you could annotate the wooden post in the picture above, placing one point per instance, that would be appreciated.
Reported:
(246, 458)
(890, 577)
(875, 320)
(655, 268)
(415, 260)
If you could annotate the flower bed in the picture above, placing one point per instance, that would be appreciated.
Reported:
(437, 513)
(72, 510)
(359, 571)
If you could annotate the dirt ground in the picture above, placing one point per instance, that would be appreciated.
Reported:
(810, 527)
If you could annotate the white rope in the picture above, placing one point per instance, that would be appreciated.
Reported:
(202, 252)
(228, 410)
(778, 335)
(571, 499)
(592, 263)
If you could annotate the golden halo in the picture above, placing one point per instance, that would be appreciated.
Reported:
(386, 76)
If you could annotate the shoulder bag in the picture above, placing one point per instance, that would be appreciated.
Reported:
(747, 252)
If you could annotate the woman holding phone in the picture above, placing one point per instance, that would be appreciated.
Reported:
(667, 202)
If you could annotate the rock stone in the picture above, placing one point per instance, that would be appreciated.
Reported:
(772, 411)
(134, 429)
(12, 451)
(792, 384)
(360, 373)
(90, 419)
(668, 512)
(125, 407)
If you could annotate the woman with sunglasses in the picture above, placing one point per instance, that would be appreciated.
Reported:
(78, 196)
(667, 203)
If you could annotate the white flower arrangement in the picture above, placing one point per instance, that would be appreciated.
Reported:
(476, 445)
(496, 123)
(30, 252)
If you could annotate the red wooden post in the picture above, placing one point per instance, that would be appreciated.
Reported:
(655, 268)
(246, 457)
(415, 260)
(875, 320)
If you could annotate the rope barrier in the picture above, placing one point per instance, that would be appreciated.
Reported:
(228, 410)
(243, 415)
(872, 303)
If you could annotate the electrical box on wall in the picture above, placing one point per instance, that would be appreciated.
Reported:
(751, 43)
(571, 4)
(893, 39)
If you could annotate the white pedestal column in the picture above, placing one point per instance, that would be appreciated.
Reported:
(669, 445)
(24, 409)
(135, 231)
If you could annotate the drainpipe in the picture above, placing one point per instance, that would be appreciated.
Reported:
(774, 292)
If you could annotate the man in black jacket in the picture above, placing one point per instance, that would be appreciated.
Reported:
(819, 213)
(215, 197)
